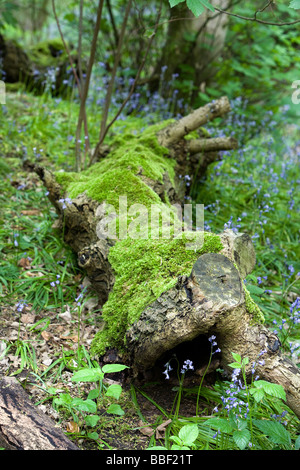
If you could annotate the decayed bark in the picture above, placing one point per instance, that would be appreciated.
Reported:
(211, 300)
(23, 426)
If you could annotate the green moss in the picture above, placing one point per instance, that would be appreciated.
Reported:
(118, 174)
(144, 267)
(144, 270)
(252, 307)
(45, 53)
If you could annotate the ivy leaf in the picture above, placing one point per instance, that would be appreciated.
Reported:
(295, 4)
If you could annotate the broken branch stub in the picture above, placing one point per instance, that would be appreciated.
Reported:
(175, 132)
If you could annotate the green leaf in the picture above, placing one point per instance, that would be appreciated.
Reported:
(295, 4)
(87, 405)
(236, 357)
(297, 443)
(235, 365)
(195, 6)
(92, 420)
(255, 289)
(114, 391)
(257, 394)
(64, 399)
(93, 394)
(93, 435)
(111, 368)
(241, 438)
(115, 409)
(207, 5)
(188, 434)
(276, 432)
(173, 3)
(269, 388)
(88, 375)
(221, 424)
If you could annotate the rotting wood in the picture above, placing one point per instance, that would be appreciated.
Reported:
(23, 426)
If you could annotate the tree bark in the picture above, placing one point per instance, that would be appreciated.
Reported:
(209, 300)
(23, 426)
(191, 45)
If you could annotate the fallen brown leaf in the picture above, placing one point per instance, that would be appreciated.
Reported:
(24, 263)
(46, 335)
(161, 429)
(72, 427)
(27, 318)
(146, 430)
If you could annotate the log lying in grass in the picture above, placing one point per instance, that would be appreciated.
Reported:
(23, 426)
(157, 293)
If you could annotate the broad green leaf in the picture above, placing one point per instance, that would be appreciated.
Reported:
(178, 447)
(195, 6)
(173, 3)
(188, 434)
(111, 368)
(207, 5)
(84, 405)
(115, 409)
(64, 399)
(241, 438)
(269, 388)
(236, 357)
(93, 394)
(92, 420)
(235, 365)
(295, 4)
(114, 391)
(258, 394)
(221, 424)
(276, 432)
(93, 435)
(88, 375)
(297, 443)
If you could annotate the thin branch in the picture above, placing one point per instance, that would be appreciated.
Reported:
(84, 118)
(256, 20)
(114, 71)
(131, 89)
(85, 90)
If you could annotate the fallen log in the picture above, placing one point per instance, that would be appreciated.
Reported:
(23, 426)
(161, 288)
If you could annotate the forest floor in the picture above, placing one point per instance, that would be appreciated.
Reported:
(43, 333)
(39, 346)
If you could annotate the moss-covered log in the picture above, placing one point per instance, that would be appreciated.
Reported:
(163, 285)
(44, 66)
